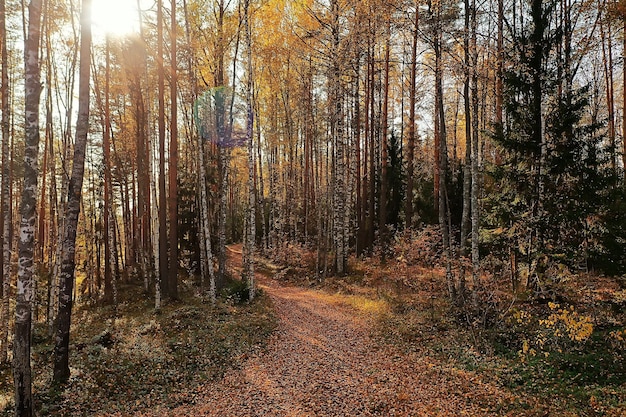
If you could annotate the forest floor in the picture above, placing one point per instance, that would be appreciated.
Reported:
(323, 360)
(381, 341)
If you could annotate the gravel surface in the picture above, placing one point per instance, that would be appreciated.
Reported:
(323, 362)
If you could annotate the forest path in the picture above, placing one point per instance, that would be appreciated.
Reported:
(322, 361)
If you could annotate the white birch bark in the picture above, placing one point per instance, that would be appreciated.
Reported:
(21, 344)
(5, 202)
(248, 273)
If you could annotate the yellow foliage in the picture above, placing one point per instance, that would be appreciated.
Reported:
(617, 338)
(566, 320)
(559, 330)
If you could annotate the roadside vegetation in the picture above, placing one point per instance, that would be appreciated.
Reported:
(146, 360)
(563, 354)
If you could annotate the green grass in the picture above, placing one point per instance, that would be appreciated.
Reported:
(146, 360)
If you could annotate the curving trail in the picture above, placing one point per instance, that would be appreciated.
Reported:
(322, 362)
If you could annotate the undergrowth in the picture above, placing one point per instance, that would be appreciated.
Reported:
(145, 359)
(561, 358)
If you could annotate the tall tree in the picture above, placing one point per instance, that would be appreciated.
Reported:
(106, 156)
(5, 187)
(25, 285)
(250, 234)
(410, 157)
(72, 211)
(173, 160)
(474, 145)
(337, 129)
(222, 138)
(384, 146)
(163, 279)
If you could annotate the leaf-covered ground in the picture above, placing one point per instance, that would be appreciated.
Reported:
(144, 360)
(322, 361)
(375, 343)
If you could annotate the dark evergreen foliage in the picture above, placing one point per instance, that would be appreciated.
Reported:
(549, 199)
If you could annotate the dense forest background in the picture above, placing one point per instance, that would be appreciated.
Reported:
(489, 134)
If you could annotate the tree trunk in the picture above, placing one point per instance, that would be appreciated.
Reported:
(250, 236)
(624, 98)
(106, 145)
(441, 152)
(475, 151)
(372, 149)
(162, 280)
(467, 178)
(21, 344)
(411, 139)
(220, 121)
(173, 162)
(337, 131)
(5, 189)
(68, 263)
(382, 220)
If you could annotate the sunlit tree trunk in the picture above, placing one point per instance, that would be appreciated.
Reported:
(220, 106)
(250, 236)
(5, 188)
(336, 109)
(162, 280)
(24, 297)
(68, 263)
(106, 152)
(467, 178)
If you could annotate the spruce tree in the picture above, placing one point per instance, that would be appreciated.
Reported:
(553, 180)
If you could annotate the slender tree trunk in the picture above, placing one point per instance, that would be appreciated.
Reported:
(356, 128)
(384, 186)
(106, 145)
(475, 151)
(441, 153)
(5, 188)
(173, 162)
(467, 175)
(372, 149)
(21, 344)
(220, 105)
(251, 216)
(411, 139)
(607, 60)
(500, 64)
(162, 280)
(68, 264)
(624, 98)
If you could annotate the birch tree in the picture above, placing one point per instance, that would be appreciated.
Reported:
(337, 129)
(5, 187)
(68, 262)
(25, 285)
(250, 235)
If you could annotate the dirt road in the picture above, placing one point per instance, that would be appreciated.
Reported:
(323, 362)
